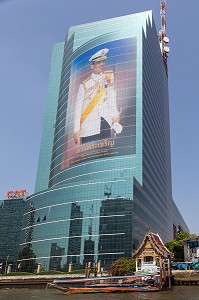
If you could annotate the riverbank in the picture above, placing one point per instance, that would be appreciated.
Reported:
(32, 280)
(185, 277)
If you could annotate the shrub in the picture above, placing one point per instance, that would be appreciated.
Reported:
(77, 272)
(16, 274)
(122, 266)
(50, 272)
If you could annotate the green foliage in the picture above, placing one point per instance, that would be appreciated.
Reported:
(77, 272)
(54, 272)
(50, 272)
(122, 266)
(16, 274)
(175, 246)
(177, 249)
(184, 235)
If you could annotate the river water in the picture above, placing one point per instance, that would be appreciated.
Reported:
(176, 293)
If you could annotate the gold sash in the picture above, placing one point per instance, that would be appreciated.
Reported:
(92, 105)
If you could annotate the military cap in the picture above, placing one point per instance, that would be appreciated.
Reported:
(99, 55)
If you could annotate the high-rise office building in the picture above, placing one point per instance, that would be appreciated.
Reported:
(104, 174)
(11, 215)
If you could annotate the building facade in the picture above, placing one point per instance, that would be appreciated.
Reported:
(104, 174)
(11, 216)
(191, 249)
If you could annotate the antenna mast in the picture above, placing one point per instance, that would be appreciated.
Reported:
(163, 39)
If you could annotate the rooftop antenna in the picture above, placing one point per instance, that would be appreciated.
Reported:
(163, 39)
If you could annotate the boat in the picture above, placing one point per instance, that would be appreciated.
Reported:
(107, 284)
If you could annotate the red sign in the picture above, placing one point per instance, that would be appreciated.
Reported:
(16, 194)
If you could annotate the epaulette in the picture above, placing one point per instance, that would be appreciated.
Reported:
(109, 71)
(85, 81)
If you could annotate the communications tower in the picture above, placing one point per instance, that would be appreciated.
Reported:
(163, 39)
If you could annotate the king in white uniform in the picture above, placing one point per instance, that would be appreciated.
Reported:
(96, 99)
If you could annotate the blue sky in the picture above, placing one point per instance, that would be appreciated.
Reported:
(28, 30)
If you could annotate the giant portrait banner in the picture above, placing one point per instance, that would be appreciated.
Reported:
(101, 109)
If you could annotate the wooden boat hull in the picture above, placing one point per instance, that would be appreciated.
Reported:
(110, 284)
(111, 290)
(106, 289)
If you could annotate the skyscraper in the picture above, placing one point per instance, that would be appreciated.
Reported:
(105, 152)
(11, 213)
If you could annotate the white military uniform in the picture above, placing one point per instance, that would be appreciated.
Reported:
(105, 107)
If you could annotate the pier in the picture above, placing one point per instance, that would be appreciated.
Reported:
(186, 277)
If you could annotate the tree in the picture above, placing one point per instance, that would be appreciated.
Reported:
(177, 249)
(122, 266)
(175, 246)
(184, 235)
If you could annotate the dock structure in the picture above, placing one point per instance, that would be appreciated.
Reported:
(186, 277)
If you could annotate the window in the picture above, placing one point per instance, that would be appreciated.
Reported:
(148, 259)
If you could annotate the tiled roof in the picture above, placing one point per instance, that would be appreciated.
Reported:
(156, 243)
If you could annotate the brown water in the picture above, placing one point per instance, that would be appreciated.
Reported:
(176, 293)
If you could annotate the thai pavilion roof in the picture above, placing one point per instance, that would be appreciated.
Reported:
(155, 242)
